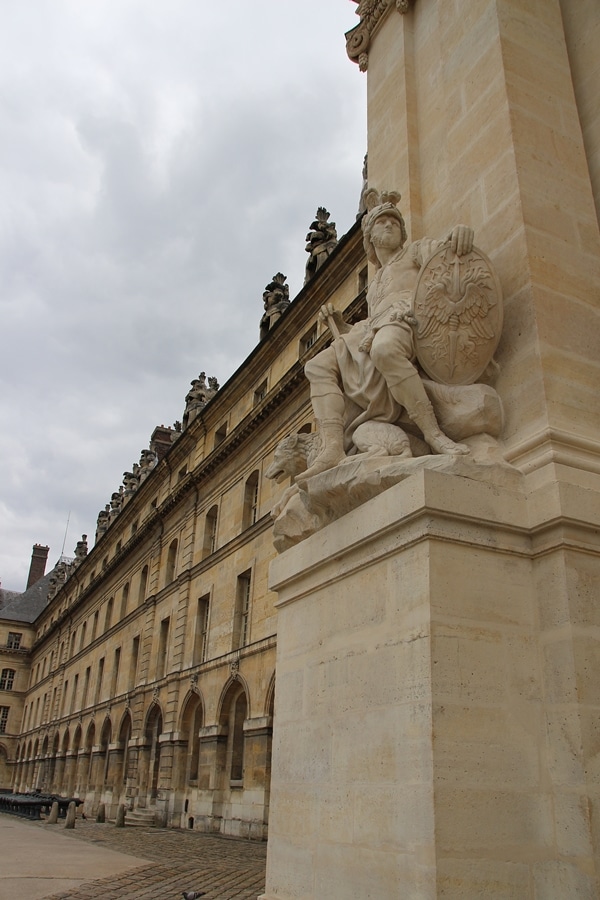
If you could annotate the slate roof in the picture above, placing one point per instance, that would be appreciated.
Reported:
(27, 606)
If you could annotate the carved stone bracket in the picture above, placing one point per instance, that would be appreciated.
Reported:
(372, 13)
(235, 668)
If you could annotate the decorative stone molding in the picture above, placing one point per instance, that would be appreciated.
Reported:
(372, 13)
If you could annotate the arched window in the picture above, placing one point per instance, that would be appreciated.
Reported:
(7, 679)
(143, 585)
(250, 513)
(210, 532)
(171, 560)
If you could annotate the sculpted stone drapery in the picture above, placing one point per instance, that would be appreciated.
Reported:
(434, 309)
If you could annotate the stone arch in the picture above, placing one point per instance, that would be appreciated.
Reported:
(77, 739)
(270, 697)
(90, 737)
(125, 732)
(236, 680)
(152, 750)
(65, 742)
(234, 710)
(104, 754)
(191, 721)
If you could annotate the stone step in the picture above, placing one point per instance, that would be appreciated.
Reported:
(142, 818)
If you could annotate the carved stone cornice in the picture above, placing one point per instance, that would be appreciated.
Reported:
(372, 13)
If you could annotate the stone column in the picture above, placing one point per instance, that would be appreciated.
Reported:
(258, 735)
(208, 808)
(70, 774)
(434, 719)
(59, 774)
(482, 113)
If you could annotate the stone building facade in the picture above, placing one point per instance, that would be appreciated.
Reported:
(152, 667)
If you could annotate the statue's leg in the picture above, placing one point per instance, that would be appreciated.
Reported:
(328, 406)
(391, 352)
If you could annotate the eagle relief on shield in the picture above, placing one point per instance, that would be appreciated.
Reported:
(458, 307)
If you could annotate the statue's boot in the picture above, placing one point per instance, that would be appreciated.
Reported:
(332, 435)
(411, 394)
(329, 412)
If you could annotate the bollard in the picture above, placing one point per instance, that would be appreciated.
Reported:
(120, 820)
(53, 817)
(71, 813)
(101, 814)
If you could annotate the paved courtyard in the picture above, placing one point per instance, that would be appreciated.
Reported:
(170, 861)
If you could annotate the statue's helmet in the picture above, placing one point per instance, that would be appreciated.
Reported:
(380, 204)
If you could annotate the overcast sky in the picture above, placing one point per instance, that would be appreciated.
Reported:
(159, 163)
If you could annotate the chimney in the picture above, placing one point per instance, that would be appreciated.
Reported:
(39, 558)
(161, 440)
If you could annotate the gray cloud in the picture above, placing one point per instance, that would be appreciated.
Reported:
(159, 165)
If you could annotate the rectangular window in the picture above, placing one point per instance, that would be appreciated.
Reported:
(133, 663)
(14, 639)
(115, 673)
(95, 625)
(86, 687)
(220, 434)
(363, 277)
(7, 679)
(241, 618)
(260, 393)
(99, 681)
(200, 637)
(74, 694)
(307, 341)
(63, 704)
(3, 718)
(161, 662)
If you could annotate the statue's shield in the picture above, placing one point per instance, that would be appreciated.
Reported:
(458, 307)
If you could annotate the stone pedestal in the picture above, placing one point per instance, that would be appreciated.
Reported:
(438, 697)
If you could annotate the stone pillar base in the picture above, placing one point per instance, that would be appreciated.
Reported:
(435, 697)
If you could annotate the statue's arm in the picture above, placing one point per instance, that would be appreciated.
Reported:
(334, 320)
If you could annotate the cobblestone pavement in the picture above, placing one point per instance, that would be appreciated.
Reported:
(225, 868)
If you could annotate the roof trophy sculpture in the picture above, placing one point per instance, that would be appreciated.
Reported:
(197, 397)
(102, 522)
(81, 551)
(276, 299)
(148, 461)
(434, 309)
(321, 241)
